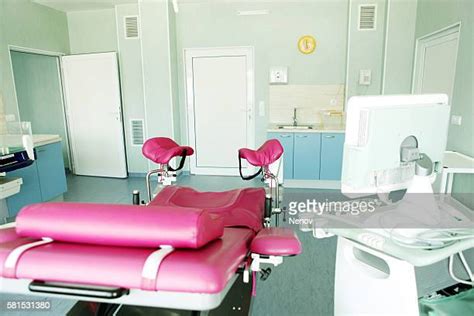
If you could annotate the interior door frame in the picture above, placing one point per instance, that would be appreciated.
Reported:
(57, 55)
(450, 30)
(189, 54)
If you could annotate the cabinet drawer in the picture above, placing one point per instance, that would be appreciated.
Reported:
(332, 147)
(286, 140)
(307, 156)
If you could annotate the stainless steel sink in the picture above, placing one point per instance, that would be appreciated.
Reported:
(295, 127)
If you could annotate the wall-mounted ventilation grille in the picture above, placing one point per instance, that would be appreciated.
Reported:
(367, 17)
(131, 27)
(137, 132)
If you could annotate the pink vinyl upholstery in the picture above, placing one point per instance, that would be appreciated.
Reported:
(161, 150)
(120, 225)
(213, 234)
(240, 207)
(267, 154)
(276, 241)
(8, 234)
(206, 270)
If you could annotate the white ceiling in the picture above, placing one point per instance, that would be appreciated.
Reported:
(82, 5)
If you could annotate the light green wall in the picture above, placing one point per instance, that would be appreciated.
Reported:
(148, 85)
(387, 50)
(156, 67)
(103, 30)
(39, 94)
(174, 74)
(274, 37)
(28, 25)
(92, 31)
(433, 15)
(366, 50)
(399, 50)
(2, 68)
(131, 77)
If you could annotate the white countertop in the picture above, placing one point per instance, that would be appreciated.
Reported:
(42, 139)
(315, 129)
(457, 162)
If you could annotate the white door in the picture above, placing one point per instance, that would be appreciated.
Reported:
(94, 115)
(220, 94)
(435, 67)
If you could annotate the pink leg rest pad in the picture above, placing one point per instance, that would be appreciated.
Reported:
(276, 241)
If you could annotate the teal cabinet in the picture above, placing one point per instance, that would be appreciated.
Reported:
(307, 156)
(50, 164)
(311, 156)
(332, 147)
(43, 181)
(287, 141)
(30, 191)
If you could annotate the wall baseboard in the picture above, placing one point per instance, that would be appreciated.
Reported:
(137, 174)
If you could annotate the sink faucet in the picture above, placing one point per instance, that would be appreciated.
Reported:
(295, 120)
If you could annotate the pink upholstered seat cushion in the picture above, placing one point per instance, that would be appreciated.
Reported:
(161, 150)
(267, 154)
(240, 207)
(204, 270)
(120, 225)
(276, 241)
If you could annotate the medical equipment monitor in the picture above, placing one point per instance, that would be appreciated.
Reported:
(390, 138)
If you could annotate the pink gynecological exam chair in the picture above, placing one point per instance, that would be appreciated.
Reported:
(185, 253)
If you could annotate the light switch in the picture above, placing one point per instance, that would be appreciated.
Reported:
(456, 120)
(279, 75)
(365, 77)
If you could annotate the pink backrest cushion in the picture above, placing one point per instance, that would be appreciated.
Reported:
(120, 225)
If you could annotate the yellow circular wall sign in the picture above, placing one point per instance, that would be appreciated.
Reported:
(307, 44)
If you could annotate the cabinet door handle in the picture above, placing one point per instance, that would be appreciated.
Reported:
(302, 136)
(285, 135)
(40, 150)
(329, 136)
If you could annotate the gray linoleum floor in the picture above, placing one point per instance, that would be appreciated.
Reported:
(302, 285)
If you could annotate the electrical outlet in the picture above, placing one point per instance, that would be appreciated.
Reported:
(456, 120)
(279, 75)
(365, 77)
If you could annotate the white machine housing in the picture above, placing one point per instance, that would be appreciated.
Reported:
(377, 126)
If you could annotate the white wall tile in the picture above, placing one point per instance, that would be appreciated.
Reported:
(308, 99)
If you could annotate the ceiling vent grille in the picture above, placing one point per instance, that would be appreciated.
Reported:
(367, 17)
(137, 132)
(131, 27)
